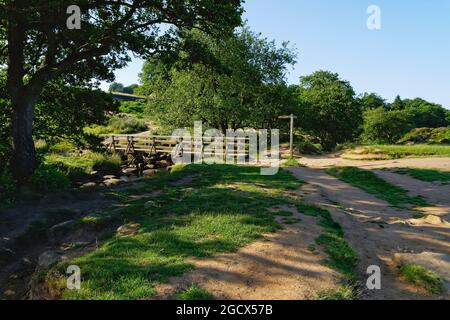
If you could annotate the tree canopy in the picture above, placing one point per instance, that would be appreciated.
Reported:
(232, 82)
(38, 47)
(328, 109)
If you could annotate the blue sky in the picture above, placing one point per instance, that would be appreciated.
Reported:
(409, 56)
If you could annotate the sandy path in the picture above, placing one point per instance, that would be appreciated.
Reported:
(280, 267)
(435, 193)
(336, 160)
(376, 230)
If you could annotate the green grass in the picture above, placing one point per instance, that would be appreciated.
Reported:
(341, 257)
(291, 162)
(402, 151)
(371, 183)
(195, 293)
(226, 208)
(76, 166)
(422, 277)
(428, 175)
(345, 292)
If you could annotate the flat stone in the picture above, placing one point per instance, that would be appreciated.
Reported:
(112, 182)
(88, 185)
(129, 230)
(149, 172)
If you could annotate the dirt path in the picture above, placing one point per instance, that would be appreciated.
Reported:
(280, 267)
(435, 193)
(332, 160)
(376, 230)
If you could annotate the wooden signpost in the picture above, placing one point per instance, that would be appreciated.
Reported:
(291, 142)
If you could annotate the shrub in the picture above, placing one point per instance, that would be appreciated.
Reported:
(120, 124)
(105, 164)
(428, 135)
(381, 126)
(49, 177)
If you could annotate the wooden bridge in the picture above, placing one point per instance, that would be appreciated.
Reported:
(145, 148)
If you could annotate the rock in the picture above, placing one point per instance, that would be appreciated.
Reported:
(88, 185)
(108, 177)
(149, 204)
(9, 292)
(56, 233)
(169, 168)
(130, 171)
(129, 230)
(151, 166)
(149, 172)
(434, 220)
(48, 258)
(112, 182)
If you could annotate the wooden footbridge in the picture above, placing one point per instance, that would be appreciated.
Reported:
(143, 149)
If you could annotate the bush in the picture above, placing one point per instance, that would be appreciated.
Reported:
(385, 127)
(76, 167)
(106, 164)
(428, 135)
(120, 124)
(48, 177)
(136, 108)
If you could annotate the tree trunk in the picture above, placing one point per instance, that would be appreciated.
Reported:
(23, 162)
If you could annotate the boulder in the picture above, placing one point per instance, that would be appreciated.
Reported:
(48, 258)
(129, 230)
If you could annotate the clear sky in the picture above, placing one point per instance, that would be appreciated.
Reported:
(409, 56)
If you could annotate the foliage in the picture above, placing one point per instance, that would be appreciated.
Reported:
(64, 111)
(77, 166)
(41, 48)
(49, 178)
(425, 114)
(118, 87)
(369, 101)
(422, 277)
(427, 135)
(119, 124)
(328, 108)
(371, 183)
(381, 126)
(234, 82)
(135, 108)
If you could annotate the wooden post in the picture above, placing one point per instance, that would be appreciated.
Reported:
(291, 117)
(292, 136)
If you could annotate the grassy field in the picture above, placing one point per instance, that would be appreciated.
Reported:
(195, 211)
(371, 183)
(428, 175)
(379, 152)
(217, 209)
